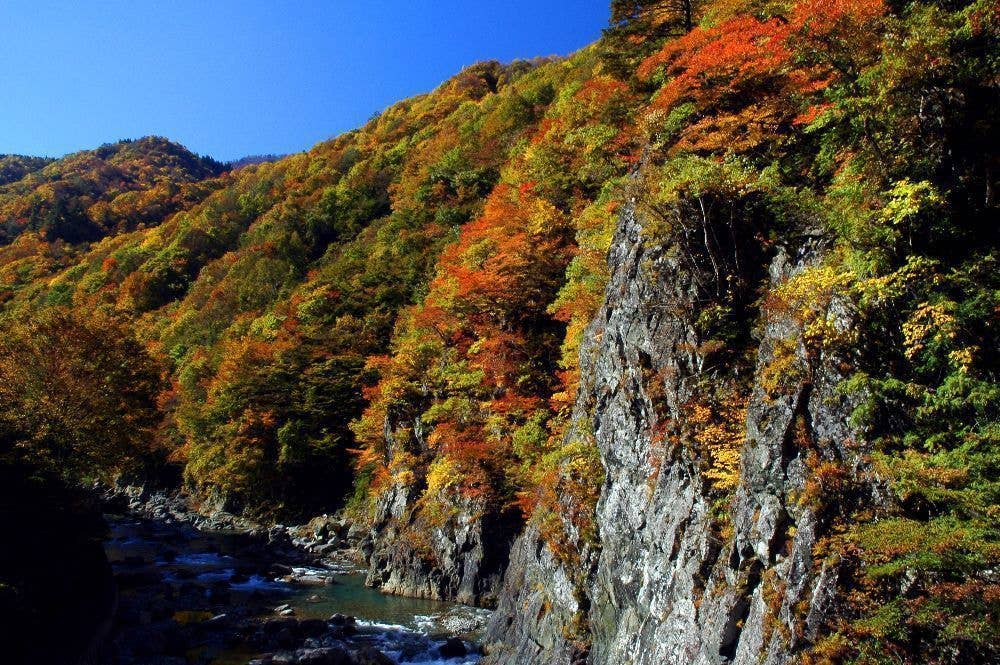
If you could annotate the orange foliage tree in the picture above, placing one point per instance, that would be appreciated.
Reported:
(474, 360)
(745, 81)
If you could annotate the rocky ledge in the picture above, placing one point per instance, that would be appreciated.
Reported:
(330, 537)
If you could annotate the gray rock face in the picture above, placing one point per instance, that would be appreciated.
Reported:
(668, 587)
(461, 557)
(655, 528)
(538, 602)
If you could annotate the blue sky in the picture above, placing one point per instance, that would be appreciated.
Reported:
(230, 78)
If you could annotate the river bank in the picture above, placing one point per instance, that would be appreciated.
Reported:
(217, 589)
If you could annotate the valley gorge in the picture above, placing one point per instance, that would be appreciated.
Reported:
(684, 348)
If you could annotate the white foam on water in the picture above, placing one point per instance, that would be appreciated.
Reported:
(386, 626)
(258, 583)
(311, 571)
(425, 622)
(341, 568)
(393, 635)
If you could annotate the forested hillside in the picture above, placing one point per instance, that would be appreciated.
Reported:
(683, 348)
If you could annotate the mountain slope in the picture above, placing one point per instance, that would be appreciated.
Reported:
(50, 210)
(265, 299)
(16, 167)
(89, 194)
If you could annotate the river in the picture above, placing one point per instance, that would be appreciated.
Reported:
(189, 597)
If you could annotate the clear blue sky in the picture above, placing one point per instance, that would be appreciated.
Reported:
(230, 78)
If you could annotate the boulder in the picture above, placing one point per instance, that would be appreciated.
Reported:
(325, 656)
(312, 627)
(371, 656)
(344, 624)
(286, 638)
(273, 626)
(453, 648)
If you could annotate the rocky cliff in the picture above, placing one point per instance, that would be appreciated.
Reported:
(460, 556)
(683, 577)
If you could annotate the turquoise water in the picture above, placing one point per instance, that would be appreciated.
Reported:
(349, 595)
(197, 575)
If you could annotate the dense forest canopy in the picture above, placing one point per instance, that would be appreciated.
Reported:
(403, 305)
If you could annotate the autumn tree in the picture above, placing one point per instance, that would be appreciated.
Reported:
(475, 361)
(637, 27)
(78, 393)
(652, 17)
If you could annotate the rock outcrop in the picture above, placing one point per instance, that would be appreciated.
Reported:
(460, 557)
(539, 604)
(675, 581)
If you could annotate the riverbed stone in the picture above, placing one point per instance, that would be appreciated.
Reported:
(272, 626)
(312, 627)
(341, 620)
(371, 656)
(453, 648)
(324, 656)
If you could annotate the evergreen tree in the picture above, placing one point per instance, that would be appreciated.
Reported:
(638, 27)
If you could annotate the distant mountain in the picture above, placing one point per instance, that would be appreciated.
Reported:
(15, 167)
(89, 194)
